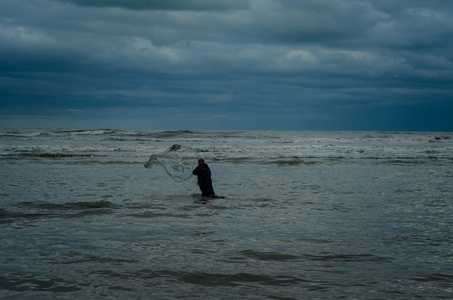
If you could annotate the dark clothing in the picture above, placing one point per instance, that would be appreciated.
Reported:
(204, 180)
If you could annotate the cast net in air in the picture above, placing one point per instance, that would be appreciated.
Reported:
(178, 161)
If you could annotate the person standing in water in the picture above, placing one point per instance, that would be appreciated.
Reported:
(203, 173)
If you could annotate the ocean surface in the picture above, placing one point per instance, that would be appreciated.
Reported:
(306, 215)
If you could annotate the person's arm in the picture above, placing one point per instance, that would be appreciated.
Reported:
(196, 171)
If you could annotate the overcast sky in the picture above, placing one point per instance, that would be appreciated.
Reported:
(227, 64)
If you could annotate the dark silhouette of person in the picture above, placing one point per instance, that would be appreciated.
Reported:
(204, 179)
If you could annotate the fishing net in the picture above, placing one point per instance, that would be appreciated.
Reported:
(178, 161)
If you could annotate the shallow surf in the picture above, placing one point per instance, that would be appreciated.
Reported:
(306, 215)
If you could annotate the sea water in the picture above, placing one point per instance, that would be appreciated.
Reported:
(365, 215)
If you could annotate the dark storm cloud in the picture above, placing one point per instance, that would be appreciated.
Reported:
(290, 64)
(200, 5)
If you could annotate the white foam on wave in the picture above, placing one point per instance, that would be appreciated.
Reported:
(253, 146)
(88, 132)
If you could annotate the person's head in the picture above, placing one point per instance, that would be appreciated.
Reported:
(201, 161)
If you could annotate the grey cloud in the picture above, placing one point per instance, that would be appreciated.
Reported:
(271, 35)
(316, 58)
(402, 6)
(197, 5)
(310, 22)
